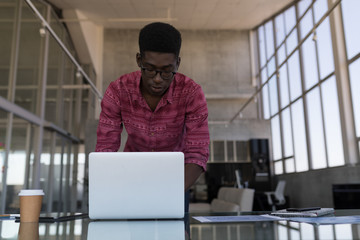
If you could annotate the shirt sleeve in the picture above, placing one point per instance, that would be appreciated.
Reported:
(197, 131)
(110, 122)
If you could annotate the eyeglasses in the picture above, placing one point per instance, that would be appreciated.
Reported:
(150, 73)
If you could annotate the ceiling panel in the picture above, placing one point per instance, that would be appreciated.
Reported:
(184, 14)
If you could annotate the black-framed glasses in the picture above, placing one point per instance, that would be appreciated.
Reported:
(150, 73)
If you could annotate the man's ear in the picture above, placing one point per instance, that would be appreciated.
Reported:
(138, 59)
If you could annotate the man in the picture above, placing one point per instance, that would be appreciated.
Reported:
(161, 109)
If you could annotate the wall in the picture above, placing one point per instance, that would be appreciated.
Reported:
(242, 130)
(87, 38)
(120, 48)
(314, 188)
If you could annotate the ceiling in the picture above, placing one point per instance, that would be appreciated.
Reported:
(183, 14)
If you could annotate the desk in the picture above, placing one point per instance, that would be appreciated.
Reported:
(85, 229)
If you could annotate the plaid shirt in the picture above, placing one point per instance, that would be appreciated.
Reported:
(179, 122)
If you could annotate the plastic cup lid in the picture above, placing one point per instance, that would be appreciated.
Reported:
(31, 192)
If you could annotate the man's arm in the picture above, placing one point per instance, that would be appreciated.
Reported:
(110, 122)
(197, 137)
(192, 173)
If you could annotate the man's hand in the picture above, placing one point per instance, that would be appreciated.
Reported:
(192, 173)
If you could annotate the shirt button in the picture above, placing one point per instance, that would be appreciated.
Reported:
(152, 150)
(152, 134)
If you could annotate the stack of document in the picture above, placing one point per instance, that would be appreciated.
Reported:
(312, 213)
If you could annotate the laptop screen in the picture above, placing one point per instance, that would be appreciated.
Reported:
(136, 185)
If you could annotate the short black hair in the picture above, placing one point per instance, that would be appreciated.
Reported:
(160, 37)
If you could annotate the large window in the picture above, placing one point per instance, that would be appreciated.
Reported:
(355, 86)
(41, 115)
(351, 18)
(300, 94)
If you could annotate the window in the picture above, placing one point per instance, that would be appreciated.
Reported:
(354, 72)
(300, 148)
(16, 163)
(265, 100)
(289, 165)
(287, 133)
(219, 151)
(25, 135)
(278, 165)
(229, 151)
(294, 76)
(335, 150)
(284, 86)
(281, 55)
(262, 46)
(316, 129)
(276, 139)
(302, 100)
(241, 148)
(263, 75)
(320, 8)
(291, 42)
(274, 107)
(306, 24)
(309, 63)
(290, 19)
(351, 19)
(271, 66)
(324, 46)
(303, 5)
(279, 29)
(269, 33)
(350, 9)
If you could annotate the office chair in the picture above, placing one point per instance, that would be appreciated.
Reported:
(228, 200)
(277, 197)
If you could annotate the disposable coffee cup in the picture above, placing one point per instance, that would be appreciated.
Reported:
(30, 204)
(28, 231)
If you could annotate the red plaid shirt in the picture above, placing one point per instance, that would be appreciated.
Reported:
(179, 122)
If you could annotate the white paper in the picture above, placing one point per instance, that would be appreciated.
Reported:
(263, 218)
(241, 218)
(327, 220)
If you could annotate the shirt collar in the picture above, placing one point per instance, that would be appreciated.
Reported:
(168, 96)
(135, 90)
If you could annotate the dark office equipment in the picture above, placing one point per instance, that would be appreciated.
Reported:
(346, 196)
(260, 159)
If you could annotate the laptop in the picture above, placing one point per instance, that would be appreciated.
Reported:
(136, 185)
(136, 230)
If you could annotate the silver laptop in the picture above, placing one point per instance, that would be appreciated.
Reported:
(136, 230)
(136, 185)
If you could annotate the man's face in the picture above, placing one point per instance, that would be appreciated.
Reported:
(157, 71)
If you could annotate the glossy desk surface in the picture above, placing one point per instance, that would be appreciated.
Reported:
(85, 229)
